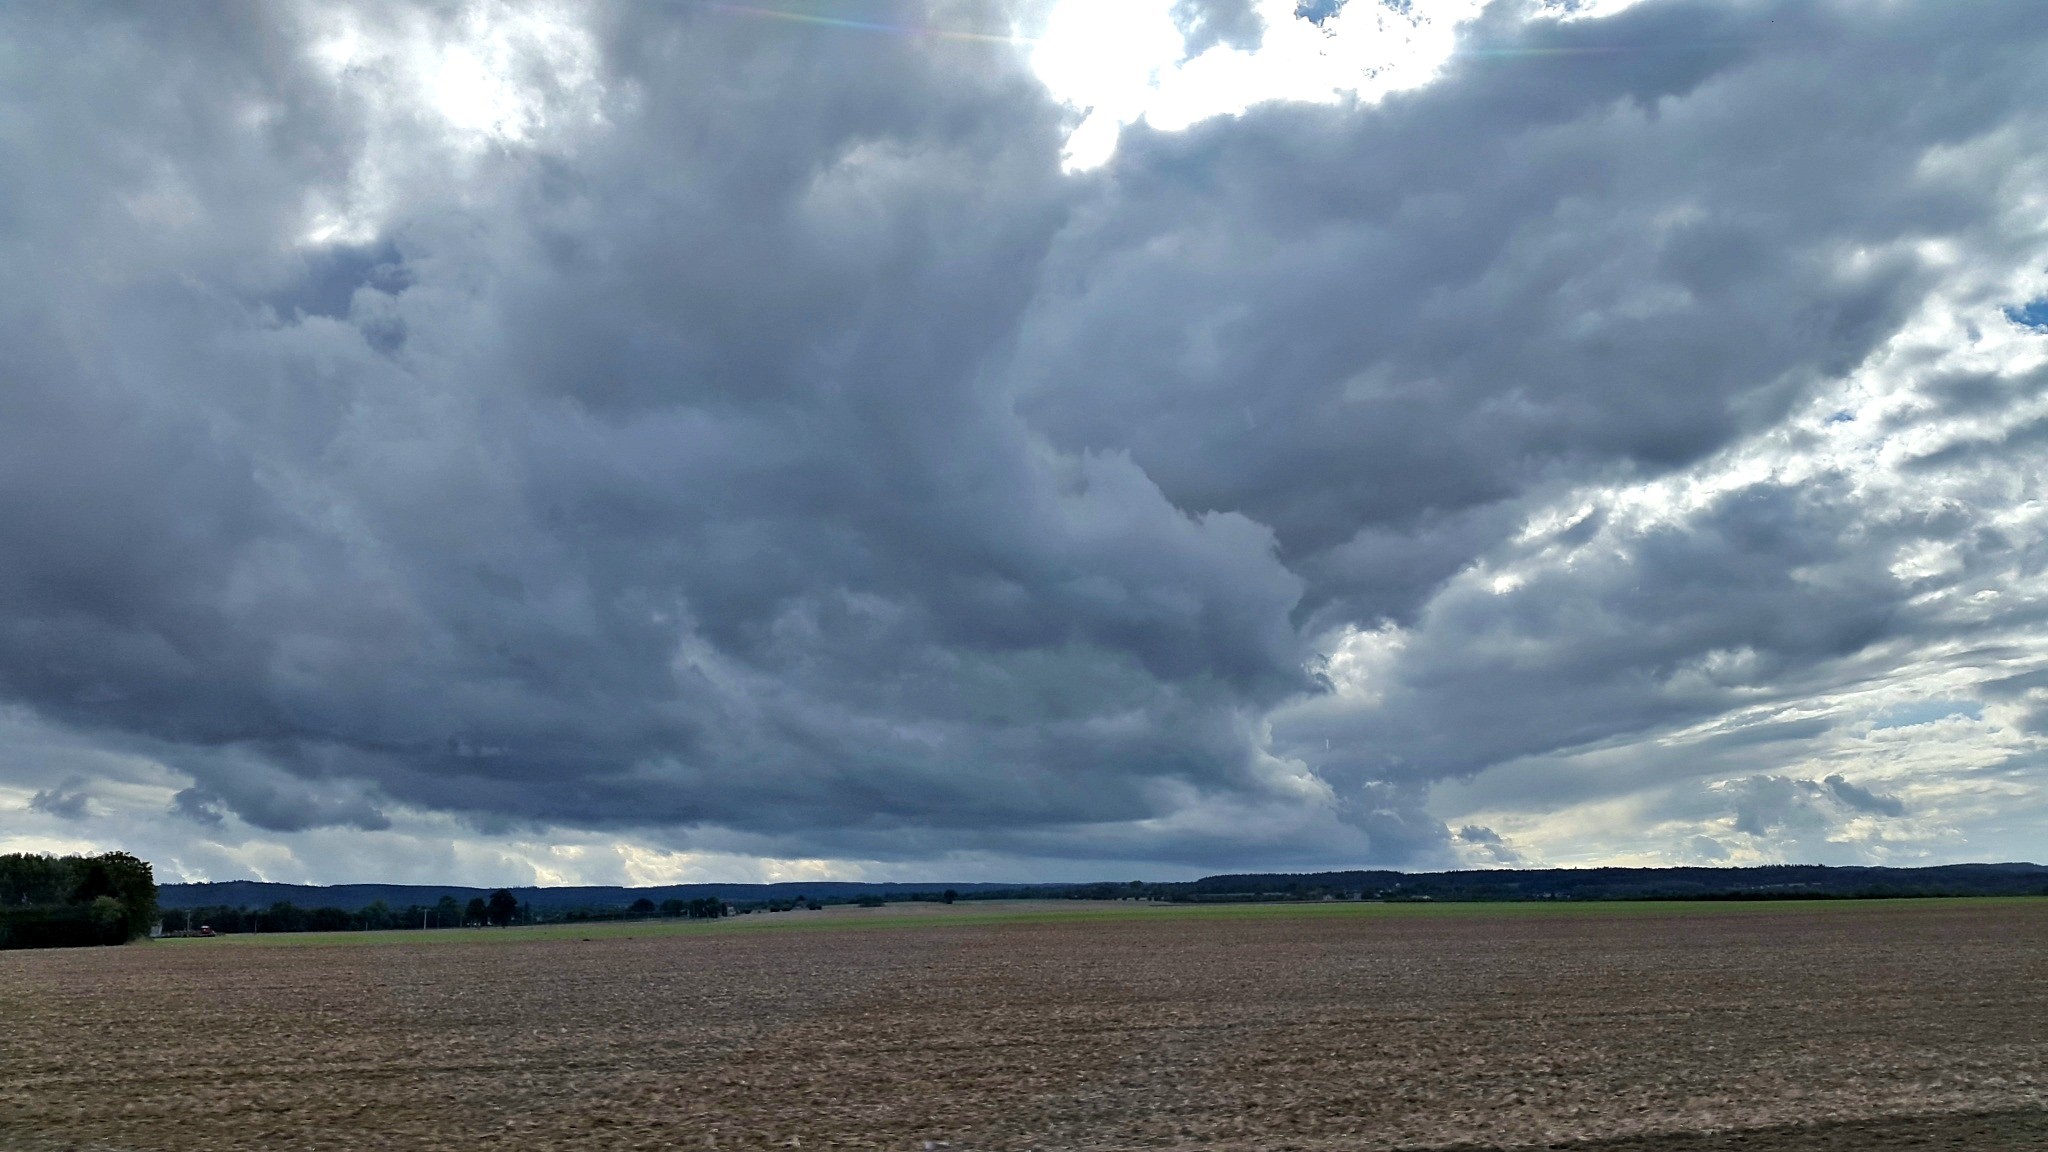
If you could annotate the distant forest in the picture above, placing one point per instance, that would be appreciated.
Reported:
(496, 910)
(68, 901)
(250, 906)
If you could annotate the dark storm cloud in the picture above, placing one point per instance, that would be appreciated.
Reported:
(784, 448)
(667, 487)
(199, 806)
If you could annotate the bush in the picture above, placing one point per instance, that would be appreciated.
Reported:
(62, 926)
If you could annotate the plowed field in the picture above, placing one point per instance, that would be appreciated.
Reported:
(1675, 1028)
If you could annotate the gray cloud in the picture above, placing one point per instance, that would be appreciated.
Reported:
(774, 451)
(660, 489)
(1522, 274)
(1863, 799)
(1765, 593)
(199, 806)
(1207, 23)
(1488, 846)
(1707, 848)
(67, 801)
(1765, 805)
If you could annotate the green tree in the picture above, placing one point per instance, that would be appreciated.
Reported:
(135, 885)
(29, 878)
(109, 916)
(642, 907)
(284, 916)
(503, 906)
(478, 911)
(36, 881)
(673, 907)
(447, 913)
(94, 883)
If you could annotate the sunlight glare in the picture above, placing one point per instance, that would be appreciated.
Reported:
(1118, 63)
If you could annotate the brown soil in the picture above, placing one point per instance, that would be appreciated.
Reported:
(1867, 1027)
(1993, 1132)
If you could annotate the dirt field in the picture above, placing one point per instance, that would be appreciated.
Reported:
(1691, 1028)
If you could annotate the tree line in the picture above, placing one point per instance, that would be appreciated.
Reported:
(499, 909)
(702, 908)
(73, 901)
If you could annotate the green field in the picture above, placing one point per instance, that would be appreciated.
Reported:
(993, 913)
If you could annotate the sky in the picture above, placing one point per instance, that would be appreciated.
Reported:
(563, 442)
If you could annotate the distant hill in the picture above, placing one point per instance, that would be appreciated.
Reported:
(1768, 882)
(1765, 882)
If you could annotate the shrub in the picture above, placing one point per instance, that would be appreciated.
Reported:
(61, 926)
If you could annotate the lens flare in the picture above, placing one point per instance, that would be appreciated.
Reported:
(812, 18)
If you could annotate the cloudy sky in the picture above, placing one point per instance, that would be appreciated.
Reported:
(640, 442)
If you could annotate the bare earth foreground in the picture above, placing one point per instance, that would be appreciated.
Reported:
(1674, 1028)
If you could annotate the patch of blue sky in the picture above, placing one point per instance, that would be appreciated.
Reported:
(1317, 11)
(2033, 314)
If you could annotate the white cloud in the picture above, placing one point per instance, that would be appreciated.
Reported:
(1116, 63)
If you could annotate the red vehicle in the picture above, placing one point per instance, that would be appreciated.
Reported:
(207, 930)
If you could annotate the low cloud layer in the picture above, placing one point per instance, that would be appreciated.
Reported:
(628, 442)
